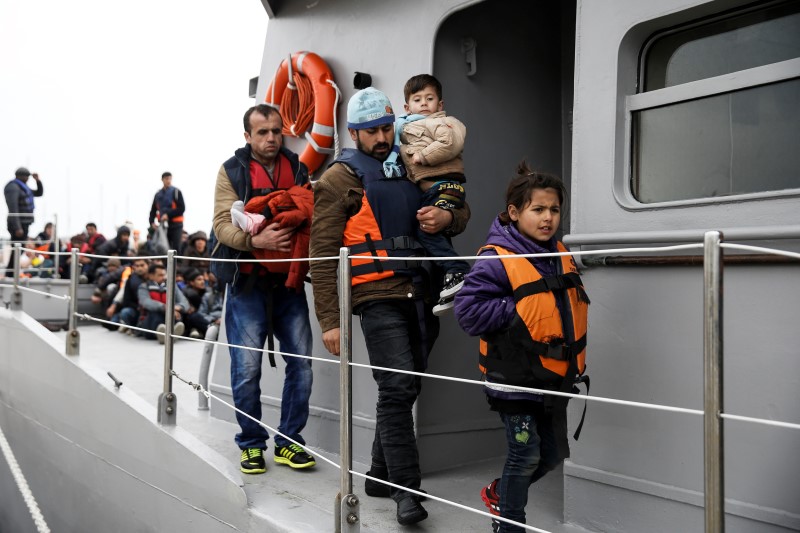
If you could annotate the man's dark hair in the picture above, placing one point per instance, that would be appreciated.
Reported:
(261, 109)
(166, 174)
(419, 82)
(155, 266)
(91, 225)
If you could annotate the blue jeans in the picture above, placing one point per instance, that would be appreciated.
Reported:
(128, 316)
(532, 453)
(246, 325)
(394, 339)
(151, 321)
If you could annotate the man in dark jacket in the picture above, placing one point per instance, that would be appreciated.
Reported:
(118, 246)
(19, 200)
(258, 300)
(394, 303)
(168, 206)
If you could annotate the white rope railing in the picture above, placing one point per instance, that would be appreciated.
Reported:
(43, 293)
(22, 485)
(262, 350)
(199, 388)
(464, 380)
(761, 249)
(209, 395)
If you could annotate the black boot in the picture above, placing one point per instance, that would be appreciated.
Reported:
(410, 511)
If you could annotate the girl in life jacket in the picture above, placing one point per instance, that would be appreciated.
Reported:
(530, 314)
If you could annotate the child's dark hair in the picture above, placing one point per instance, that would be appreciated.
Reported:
(522, 185)
(419, 82)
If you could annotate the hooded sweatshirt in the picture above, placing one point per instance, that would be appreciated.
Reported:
(486, 303)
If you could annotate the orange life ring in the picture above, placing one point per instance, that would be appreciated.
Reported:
(321, 135)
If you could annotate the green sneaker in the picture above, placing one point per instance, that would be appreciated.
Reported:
(294, 456)
(253, 461)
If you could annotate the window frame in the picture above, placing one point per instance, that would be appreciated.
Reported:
(686, 92)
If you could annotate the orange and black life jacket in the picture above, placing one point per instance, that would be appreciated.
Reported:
(534, 350)
(384, 225)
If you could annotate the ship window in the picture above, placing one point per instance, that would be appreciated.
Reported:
(719, 112)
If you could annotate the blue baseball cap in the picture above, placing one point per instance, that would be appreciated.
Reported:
(369, 108)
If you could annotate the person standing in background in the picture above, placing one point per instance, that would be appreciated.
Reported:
(19, 199)
(168, 206)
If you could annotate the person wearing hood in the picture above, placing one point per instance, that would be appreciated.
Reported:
(531, 316)
(197, 249)
(19, 201)
(118, 246)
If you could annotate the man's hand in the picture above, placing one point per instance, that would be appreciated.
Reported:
(19, 233)
(111, 309)
(164, 218)
(273, 238)
(331, 340)
(35, 176)
(433, 219)
(417, 159)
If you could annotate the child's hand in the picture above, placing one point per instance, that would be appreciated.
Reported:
(417, 159)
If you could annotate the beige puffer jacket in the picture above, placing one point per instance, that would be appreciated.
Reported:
(439, 139)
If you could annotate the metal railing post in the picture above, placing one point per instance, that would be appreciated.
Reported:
(56, 248)
(73, 337)
(347, 504)
(713, 434)
(167, 401)
(16, 299)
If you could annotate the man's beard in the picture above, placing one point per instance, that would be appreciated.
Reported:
(371, 153)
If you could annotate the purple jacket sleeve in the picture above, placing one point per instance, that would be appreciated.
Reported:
(485, 303)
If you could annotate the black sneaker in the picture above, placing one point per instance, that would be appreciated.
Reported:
(253, 461)
(443, 305)
(453, 281)
(294, 456)
(409, 511)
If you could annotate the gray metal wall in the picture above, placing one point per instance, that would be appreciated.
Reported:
(636, 470)
(97, 462)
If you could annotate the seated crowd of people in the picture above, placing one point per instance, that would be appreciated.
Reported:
(130, 285)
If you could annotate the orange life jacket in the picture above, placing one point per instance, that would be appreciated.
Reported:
(384, 225)
(533, 352)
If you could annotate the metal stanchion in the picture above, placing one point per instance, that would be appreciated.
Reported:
(73, 337)
(167, 401)
(713, 434)
(16, 299)
(347, 504)
(56, 248)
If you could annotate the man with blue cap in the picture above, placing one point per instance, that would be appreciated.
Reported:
(19, 200)
(357, 205)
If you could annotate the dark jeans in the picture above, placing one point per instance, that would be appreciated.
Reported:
(175, 236)
(23, 241)
(246, 325)
(394, 340)
(128, 316)
(532, 453)
(196, 321)
(151, 321)
(438, 244)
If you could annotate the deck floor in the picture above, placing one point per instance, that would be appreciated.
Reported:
(304, 500)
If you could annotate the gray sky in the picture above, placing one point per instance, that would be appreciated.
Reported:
(101, 97)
